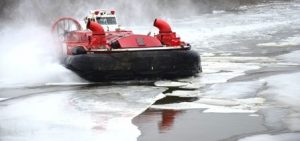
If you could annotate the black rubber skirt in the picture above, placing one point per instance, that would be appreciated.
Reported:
(135, 65)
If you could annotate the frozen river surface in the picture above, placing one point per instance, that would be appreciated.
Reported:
(250, 59)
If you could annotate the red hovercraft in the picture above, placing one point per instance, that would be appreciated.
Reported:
(105, 52)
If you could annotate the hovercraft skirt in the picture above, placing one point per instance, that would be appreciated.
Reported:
(135, 65)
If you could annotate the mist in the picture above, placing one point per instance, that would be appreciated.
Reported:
(130, 11)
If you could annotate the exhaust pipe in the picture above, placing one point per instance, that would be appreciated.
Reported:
(162, 25)
(166, 35)
(95, 27)
(98, 38)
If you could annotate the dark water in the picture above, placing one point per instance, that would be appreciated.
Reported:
(193, 125)
(248, 86)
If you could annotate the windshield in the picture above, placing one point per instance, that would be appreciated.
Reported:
(107, 20)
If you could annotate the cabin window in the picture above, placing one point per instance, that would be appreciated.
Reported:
(107, 20)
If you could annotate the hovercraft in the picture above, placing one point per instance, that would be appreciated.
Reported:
(103, 51)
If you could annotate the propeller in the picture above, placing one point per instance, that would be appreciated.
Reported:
(65, 25)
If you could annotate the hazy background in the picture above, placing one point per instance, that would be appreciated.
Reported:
(130, 11)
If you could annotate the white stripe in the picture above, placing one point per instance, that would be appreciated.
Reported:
(141, 49)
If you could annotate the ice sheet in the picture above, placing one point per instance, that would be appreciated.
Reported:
(90, 114)
(68, 84)
(284, 90)
(291, 57)
(214, 105)
(1, 99)
(290, 41)
(170, 84)
(182, 93)
(280, 137)
(235, 89)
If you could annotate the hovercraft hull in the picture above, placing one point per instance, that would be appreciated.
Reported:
(130, 65)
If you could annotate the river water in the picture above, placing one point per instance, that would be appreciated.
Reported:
(250, 63)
